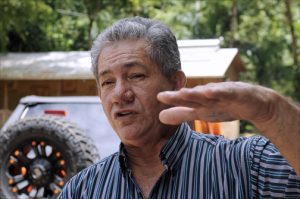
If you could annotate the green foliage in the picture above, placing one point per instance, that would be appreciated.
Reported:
(266, 32)
(19, 25)
(262, 32)
(38, 25)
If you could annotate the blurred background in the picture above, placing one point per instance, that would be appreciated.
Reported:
(267, 33)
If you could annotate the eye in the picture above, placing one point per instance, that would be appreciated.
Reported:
(137, 76)
(107, 83)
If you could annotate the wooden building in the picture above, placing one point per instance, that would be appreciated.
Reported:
(69, 74)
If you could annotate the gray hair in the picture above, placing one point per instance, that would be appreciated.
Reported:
(163, 46)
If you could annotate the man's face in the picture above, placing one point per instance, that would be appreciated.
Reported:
(129, 83)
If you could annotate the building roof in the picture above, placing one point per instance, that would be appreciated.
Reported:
(199, 59)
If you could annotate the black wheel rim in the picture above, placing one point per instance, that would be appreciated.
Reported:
(36, 169)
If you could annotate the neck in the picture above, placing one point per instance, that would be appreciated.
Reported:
(146, 152)
(144, 157)
(146, 166)
(145, 162)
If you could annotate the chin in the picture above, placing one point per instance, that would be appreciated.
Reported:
(128, 133)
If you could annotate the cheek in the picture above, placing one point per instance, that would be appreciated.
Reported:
(150, 103)
(105, 109)
(106, 105)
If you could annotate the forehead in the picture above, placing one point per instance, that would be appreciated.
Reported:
(122, 53)
(124, 48)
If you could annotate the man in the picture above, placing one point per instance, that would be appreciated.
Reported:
(134, 62)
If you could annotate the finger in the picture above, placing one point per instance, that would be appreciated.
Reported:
(224, 90)
(177, 115)
(211, 92)
(215, 116)
(186, 98)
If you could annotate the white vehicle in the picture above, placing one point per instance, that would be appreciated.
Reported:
(49, 139)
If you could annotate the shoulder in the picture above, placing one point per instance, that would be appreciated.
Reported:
(99, 168)
(271, 174)
(89, 176)
(264, 155)
(237, 151)
(220, 140)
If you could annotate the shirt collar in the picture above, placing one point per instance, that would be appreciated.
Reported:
(171, 153)
(123, 160)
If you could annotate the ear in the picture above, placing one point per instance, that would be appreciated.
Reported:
(179, 80)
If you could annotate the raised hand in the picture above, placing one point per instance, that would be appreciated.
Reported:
(217, 102)
(275, 116)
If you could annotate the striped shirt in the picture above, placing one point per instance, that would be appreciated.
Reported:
(197, 166)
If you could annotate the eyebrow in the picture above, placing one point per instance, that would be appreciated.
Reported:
(103, 73)
(126, 65)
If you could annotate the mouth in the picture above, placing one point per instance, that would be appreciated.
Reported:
(124, 113)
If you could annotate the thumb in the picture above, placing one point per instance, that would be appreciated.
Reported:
(177, 115)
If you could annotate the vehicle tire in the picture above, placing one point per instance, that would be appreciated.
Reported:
(38, 156)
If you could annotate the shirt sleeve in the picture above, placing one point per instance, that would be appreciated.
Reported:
(271, 175)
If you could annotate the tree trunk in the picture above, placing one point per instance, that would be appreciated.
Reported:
(292, 30)
(234, 21)
(91, 20)
(296, 81)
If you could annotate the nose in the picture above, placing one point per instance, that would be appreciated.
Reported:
(122, 93)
